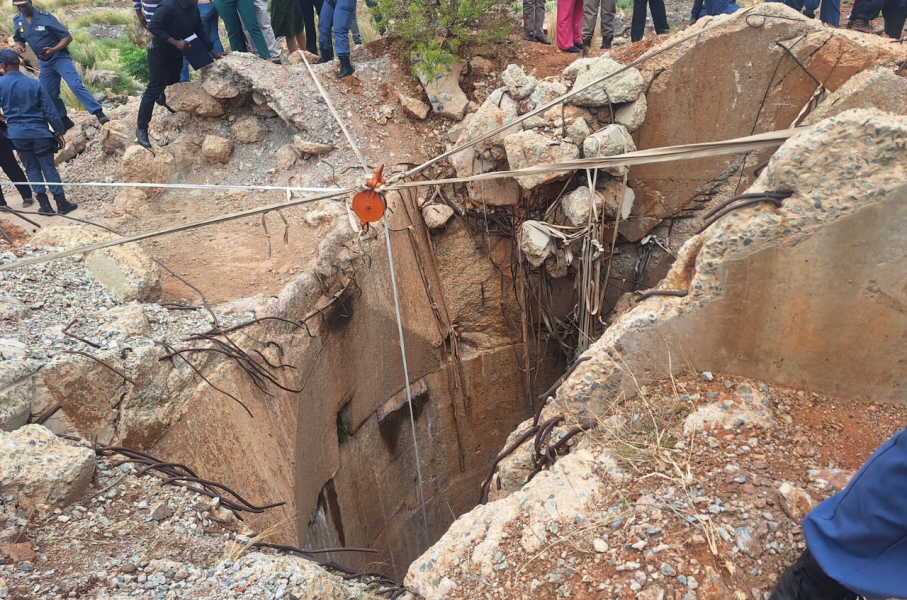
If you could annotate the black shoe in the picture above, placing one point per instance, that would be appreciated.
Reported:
(327, 55)
(64, 206)
(572, 50)
(805, 580)
(28, 202)
(141, 136)
(346, 68)
(606, 42)
(44, 207)
(102, 118)
(587, 42)
(543, 40)
(276, 61)
(67, 123)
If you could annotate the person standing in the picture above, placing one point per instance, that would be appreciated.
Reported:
(570, 25)
(11, 167)
(659, 17)
(286, 16)
(591, 10)
(29, 112)
(335, 18)
(263, 19)
(230, 11)
(49, 40)
(173, 21)
(534, 21)
(309, 9)
(210, 22)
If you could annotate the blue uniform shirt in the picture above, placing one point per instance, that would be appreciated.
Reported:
(27, 108)
(44, 30)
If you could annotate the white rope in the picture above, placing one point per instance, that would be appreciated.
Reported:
(390, 262)
(187, 186)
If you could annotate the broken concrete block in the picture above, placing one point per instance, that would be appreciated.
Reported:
(115, 136)
(12, 309)
(529, 148)
(76, 143)
(578, 131)
(141, 165)
(577, 206)
(497, 110)
(544, 92)
(304, 146)
(287, 157)
(127, 270)
(874, 88)
(443, 90)
(249, 129)
(632, 114)
(414, 108)
(495, 192)
(610, 141)
(518, 84)
(795, 502)
(190, 98)
(36, 467)
(127, 320)
(618, 89)
(217, 149)
(535, 243)
(223, 80)
(436, 215)
(618, 200)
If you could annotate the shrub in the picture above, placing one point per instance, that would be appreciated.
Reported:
(135, 62)
(439, 30)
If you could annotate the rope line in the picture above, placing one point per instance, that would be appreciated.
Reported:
(189, 186)
(390, 262)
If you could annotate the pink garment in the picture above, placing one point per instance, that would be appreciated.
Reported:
(569, 23)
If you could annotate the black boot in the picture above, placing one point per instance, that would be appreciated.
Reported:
(63, 205)
(587, 42)
(606, 42)
(44, 207)
(141, 136)
(67, 123)
(805, 580)
(346, 68)
(102, 118)
(327, 55)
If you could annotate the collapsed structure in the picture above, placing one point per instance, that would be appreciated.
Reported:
(499, 281)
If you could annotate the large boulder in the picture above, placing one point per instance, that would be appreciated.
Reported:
(36, 467)
(624, 87)
(76, 143)
(436, 215)
(578, 206)
(874, 88)
(191, 98)
(443, 90)
(529, 148)
(217, 149)
(632, 114)
(127, 270)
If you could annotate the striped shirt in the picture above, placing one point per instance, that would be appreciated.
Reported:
(147, 7)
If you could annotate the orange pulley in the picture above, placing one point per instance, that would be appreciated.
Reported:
(370, 205)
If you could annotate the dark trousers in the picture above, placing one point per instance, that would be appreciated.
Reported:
(895, 13)
(37, 155)
(534, 18)
(163, 71)
(11, 167)
(659, 17)
(866, 9)
(309, 8)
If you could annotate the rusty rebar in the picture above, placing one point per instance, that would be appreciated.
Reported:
(650, 293)
(101, 362)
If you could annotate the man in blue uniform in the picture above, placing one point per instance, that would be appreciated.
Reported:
(49, 40)
(28, 113)
(173, 22)
(857, 539)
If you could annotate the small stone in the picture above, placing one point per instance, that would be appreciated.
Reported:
(436, 215)
(600, 545)
(127, 568)
(160, 511)
(795, 502)
(286, 157)
(707, 376)
(18, 552)
(309, 147)
(414, 108)
(217, 149)
(667, 570)
(249, 129)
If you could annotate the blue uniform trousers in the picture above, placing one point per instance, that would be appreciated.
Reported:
(339, 16)
(859, 536)
(829, 12)
(60, 67)
(37, 156)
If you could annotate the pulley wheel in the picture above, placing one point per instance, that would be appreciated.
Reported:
(369, 206)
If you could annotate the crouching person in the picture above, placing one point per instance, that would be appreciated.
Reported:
(28, 113)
